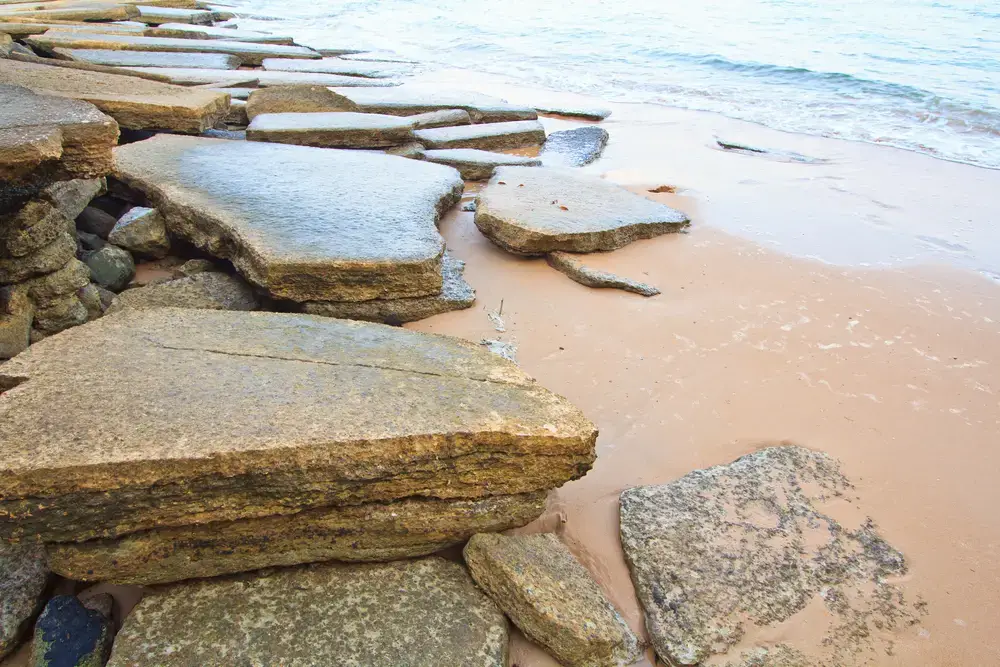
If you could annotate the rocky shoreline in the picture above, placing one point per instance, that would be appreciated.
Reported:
(203, 233)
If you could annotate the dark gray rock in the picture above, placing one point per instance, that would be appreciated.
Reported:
(67, 634)
(23, 578)
(88, 243)
(574, 148)
(142, 232)
(214, 291)
(477, 165)
(111, 267)
(95, 221)
(572, 267)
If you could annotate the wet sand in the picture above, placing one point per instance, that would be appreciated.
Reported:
(892, 371)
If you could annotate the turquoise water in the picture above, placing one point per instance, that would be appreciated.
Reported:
(914, 74)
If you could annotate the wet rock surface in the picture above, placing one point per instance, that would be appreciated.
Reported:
(551, 598)
(574, 148)
(424, 613)
(296, 99)
(723, 551)
(575, 269)
(331, 130)
(68, 633)
(353, 226)
(408, 101)
(23, 578)
(477, 165)
(484, 136)
(122, 58)
(211, 290)
(532, 211)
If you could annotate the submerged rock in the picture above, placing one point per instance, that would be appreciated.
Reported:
(199, 469)
(23, 578)
(571, 266)
(331, 130)
(296, 99)
(476, 165)
(532, 211)
(215, 291)
(486, 136)
(424, 613)
(722, 551)
(141, 231)
(306, 224)
(111, 267)
(67, 633)
(122, 58)
(574, 148)
(552, 599)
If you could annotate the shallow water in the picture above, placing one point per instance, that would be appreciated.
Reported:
(917, 74)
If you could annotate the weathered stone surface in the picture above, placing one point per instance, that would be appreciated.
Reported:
(551, 598)
(456, 294)
(211, 441)
(45, 138)
(412, 150)
(441, 118)
(215, 291)
(572, 267)
(143, 232)
(67, 633)
(158, 15)
(193, 76)
(46, 260)
(574, 148)
(723, 551)
(340, 129)
(16, 314)
(67, 280)
(352, 226)
(331, 66)
(35, 226)
(122, 58)
(134, 103)
(90, 296)
(368, 532)
(237, 116)
(249, 53)
(476, 165)
(111, 267)
(532, 211)
(70, 11)
(486, 136)
(227, 34)
(60, 313)
(71, 197)
(424, 613)
(589, 113)
(23, 577)
(193, 267)
(93, 220)
(296, 99)
(408, 101)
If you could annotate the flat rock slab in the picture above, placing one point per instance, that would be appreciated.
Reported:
(158, 15)
(184, 31)
(728, 552)
(189, 76)
(306, 224)
(532, 211)
(211, 290)
(250, 53)
(571, 266)
(486, 136)
(408, 101)
(456, 294)
(552, 599)
(424, 613)
(250, 415)
(477, 165)
(574, 148)
(136, 104)
(123, 58)
(440, 118)
(331, 66)
(331, 129)
(23, 578)
(588, 113)
(296, 99)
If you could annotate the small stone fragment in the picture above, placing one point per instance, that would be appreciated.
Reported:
(214, 291)
(143, 232)
(95, 221)
(571, 266)
(574, 148)
(23, 578)
(552, 599)
(195, 266)
(68, 634)
(111, 267)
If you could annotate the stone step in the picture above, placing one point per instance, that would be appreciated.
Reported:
(486, 136)
(477, 165)
(339, 129)
(407, 100)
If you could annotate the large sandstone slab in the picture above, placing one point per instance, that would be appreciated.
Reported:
(306, 224)
(134, 103)
(70, 10)
(190, 76)
(331, 129)
(532, 211)
(210, 290)
(246, 415)
(424, 613)
(158, 15)
(229, 34)
(408, 101)
(486, 136)
(296, 99)
(330, 66)
(121, 58)
(477, 165)
(250, 53)
(723, 556)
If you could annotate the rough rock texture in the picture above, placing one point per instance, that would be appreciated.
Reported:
(589, 113)
(220, 32)
(93, 220)
(412, 150)
(331, 66)
(408, 101)
(255, 415)
(111, 267)
(16, 313)
(193, 76)
(50, 258)
(66, 280)
(476, 165)
(67, 633)
(59, 314)
(572, 267)
(135, 103)
(724, 550)
(71, 197)
(552, 599)
(456, 294)
(487, 136)
(141, 231)
(296, 99)
(215, 291)
(196, 266)
(441, 118)
(331, 129)
(158, 15)
(121, 58)
(532, 211)
(424, 613)
(36, 225)
(23, 577)
(249, 53)
(307, 224)
(574, 148)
